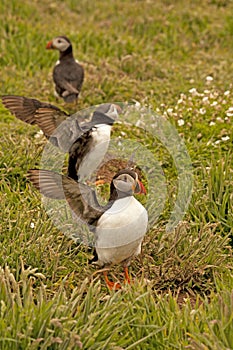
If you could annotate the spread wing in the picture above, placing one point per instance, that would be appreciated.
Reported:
(32, 111)
(68, 132)
(73, 135)
(23, 108)
(62, 129)
(81, 198)
(49, 118)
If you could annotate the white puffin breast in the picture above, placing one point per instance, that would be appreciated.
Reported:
(125, 222)
(99, 147)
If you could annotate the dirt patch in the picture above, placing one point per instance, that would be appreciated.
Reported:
(112, 166)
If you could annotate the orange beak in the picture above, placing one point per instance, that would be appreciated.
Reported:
(49, 45)
(141, 188)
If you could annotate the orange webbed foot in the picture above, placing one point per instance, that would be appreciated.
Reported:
(127, 278)
(111, 285)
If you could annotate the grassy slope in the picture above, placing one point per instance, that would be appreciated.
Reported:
(150, 51)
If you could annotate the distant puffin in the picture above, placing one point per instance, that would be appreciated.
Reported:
(68, 74)
(86, 141)
(119, 226)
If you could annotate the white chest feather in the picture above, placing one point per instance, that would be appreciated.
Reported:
(99, 147)
(125, 222)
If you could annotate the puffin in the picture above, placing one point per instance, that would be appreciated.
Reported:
(119, 226)
(85, 141)
(68, 74)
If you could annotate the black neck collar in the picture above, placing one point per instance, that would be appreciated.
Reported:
(67, 53)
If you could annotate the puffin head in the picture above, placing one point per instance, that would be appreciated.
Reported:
(126, 183)
(60, 43)
(106, 113)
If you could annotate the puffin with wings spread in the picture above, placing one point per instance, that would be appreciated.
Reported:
(86, 141)
(119, 226)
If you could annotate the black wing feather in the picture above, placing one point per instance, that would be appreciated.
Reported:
(81, 198)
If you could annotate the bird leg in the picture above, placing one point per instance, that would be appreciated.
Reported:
(127, 279)
(111, 285)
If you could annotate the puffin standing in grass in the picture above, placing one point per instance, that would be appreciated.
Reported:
(85, 141)
(119, 226)
(68, 74)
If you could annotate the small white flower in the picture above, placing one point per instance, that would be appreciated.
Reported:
(169, 110)
(205, 99)
(202, 111)
(180, 122)
(209, 78)
(193, 91)
(137, 104)
(214, 103)
(139, 124)
(219, 119)
(226, 93)
(206, 92)
(229, 114)
(38, 134)
(217, 142)
(32, 225)
(214, 94)
(225, 138)
(230, 109)
(154, 125)
(211, 123)
(179, 101)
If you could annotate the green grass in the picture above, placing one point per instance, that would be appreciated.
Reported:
(159, 53)
(129, 319)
